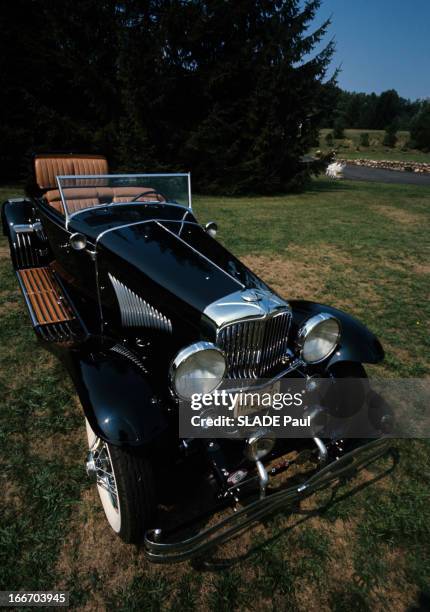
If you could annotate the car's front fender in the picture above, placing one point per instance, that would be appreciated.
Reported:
(118, 399)
(357, 342)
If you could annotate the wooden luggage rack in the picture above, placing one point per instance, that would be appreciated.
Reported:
(51, 311)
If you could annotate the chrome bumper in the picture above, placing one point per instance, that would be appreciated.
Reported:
(158, 551)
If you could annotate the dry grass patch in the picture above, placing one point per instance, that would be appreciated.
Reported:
(396, 590)
(91, 548)
(48, 447)
(4, 252)
(302, 273)
(12, 498)
(403, 354)
(9, 307)
(421, 268)
(399, 215)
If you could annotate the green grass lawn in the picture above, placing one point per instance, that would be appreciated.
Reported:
(360, 246)
(350, 148)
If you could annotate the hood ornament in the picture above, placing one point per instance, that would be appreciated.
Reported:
(252, 295)
(246, 304)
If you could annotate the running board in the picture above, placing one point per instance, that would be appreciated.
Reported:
(51, 312)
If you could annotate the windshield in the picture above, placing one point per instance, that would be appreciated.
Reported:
(80, 193)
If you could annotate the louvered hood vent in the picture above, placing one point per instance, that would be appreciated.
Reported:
(136, 312)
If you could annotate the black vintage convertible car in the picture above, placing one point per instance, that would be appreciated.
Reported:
(142, 305)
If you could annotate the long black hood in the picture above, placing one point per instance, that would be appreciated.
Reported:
(178, 265)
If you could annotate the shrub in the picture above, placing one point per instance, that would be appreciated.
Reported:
(329, 139)
(390, 137)
(420, 129)
(338, 130)
(364, 139)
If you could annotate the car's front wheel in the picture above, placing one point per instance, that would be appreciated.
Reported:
(125, 484)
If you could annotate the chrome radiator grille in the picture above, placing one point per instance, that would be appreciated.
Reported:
(255, 348)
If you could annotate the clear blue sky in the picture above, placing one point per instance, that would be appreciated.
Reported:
(381, 44)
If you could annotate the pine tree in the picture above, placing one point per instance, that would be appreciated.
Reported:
(420, 128)
(222, 88)
(390, 136)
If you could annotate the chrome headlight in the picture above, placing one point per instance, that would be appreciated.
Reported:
(198, 368)
(318, 337)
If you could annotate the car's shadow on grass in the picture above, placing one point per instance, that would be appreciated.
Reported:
(186, 511)
(326, 186)
(215, 564)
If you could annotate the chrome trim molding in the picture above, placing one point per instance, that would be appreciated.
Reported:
(25, 253)
(125, 352)
(119, 227)
(190, 202)
(27, 301)
(99, 176)
(199, 253)
(135, 311)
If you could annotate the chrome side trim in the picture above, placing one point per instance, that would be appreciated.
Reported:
(201, 254)
(26, 255)
(135, 311)
(118, 227)
(99, 176)
(27, 301)
(190, 204)
(116, 204)
(125, 352)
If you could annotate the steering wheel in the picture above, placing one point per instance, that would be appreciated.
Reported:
(148, 192)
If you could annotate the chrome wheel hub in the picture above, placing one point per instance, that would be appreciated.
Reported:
(99, 469)
(90, 466)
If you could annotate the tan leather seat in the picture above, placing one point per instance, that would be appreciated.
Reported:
(80, 204)
(126, 194)
(77, 198)
(48, 167)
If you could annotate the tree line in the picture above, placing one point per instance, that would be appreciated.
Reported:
(233, 91)
(386, 111)
(224, 89)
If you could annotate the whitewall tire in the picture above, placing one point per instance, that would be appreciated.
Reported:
(125, 484)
